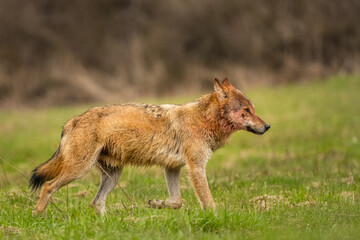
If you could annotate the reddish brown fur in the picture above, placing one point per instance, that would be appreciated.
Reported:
(170, 136)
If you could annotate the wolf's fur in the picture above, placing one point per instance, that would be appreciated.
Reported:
(170, 136)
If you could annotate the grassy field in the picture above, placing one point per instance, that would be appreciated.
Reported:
(298, 181)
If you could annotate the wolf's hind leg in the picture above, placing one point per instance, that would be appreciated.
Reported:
(50, 187)
(172, 176)
(109, 179)
(74, 167)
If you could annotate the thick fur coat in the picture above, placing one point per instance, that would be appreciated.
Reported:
(169, 136)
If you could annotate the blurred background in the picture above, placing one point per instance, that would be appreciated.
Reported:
(65, 52)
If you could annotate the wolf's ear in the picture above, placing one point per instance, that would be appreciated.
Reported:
(219, 90)
(226, 83)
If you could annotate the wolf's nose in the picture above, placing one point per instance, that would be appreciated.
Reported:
(267, 127)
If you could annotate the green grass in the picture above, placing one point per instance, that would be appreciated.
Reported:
(298, 181)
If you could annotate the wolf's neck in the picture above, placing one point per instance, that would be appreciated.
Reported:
(216, 128)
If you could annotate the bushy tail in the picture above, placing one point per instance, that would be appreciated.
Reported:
(46, 171)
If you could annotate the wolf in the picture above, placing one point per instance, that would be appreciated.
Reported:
(169, 136)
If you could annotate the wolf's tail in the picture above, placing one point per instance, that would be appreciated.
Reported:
(46, 171)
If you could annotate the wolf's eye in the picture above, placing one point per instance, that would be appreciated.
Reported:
(247, 110)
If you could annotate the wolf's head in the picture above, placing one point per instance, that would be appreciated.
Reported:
(237, 112)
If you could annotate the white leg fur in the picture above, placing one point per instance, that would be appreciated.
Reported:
(106, 186)
(172, 177)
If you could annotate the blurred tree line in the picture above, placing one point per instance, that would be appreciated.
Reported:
(60, 52)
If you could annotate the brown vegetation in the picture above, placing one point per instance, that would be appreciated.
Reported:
(59, 52)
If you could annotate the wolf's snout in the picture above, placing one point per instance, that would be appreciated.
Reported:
(267, 127)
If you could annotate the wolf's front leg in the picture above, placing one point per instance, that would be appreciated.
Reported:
(197, 175)
(172, 176)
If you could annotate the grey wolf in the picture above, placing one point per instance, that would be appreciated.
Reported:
(169, 136)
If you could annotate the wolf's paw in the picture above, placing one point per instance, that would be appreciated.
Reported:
(99, 207)
(36, 213)
(156, 203)
(162, 204)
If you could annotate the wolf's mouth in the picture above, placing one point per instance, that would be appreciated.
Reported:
(250, 129)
